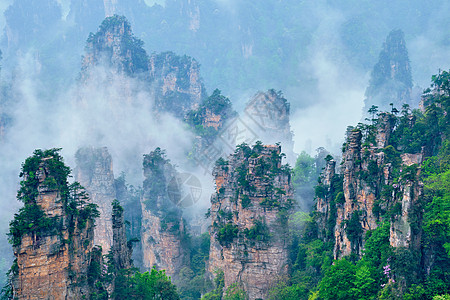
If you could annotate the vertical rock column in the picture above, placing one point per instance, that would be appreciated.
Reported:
(121, 249)
(52, 252)
(249, 215)
(379, 184)
(95, 172)
(269, 113)
(163, 228)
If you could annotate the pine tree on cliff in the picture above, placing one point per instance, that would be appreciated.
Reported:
(391, 80)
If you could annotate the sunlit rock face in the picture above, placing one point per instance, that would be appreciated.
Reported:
(249, 219)
(95, 172)
(391, 80)
(53, 264)
(376, 183)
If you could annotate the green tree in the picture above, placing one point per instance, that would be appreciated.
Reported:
(338, 282)
(146, 286)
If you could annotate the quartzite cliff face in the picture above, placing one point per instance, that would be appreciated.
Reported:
(53, 237)
(95, 172)
(177, 83)
(163, 228)
(249, 219)
(52, 261)
(377, 183)
(115, 46)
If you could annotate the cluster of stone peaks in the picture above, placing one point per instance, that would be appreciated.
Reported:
(376, 183)
(173, 80)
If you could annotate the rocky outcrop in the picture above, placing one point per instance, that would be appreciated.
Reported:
(384, 129)
(378, 184)
(249, 219)
(173, 80)
(269, 115)
(391, 80)
(95, 172)
(130, 199)
(163, 229)
(178, 86)
(53, 254)
(324, 206)
(115, 46)
(122, 250)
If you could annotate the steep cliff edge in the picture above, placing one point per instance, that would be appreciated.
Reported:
(94, 171)
(115, 46)
(177, 82)
(163, 229)
(53, 239)
(249, 214)
(174, 81)
(52, 235)
(376, 183)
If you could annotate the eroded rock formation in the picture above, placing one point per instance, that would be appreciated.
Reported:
(391, 80)
(174, 81)
(115, 46)
(95, 172)
(163, 228)
(378, 184)
(177, 82)
(122, 250)
(53, 255)
(269, 116)
(249, 219)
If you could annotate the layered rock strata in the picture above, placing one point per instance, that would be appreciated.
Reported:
(163, 229)
(249, 219)
(52, 263)
(94, 171)
(377, 184)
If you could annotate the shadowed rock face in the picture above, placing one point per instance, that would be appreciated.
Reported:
(177, 83)
(95, 172)
(163, 228)
(121, 249)
(390, 80)
(248, 230)
(268, 115)
(174, 81)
